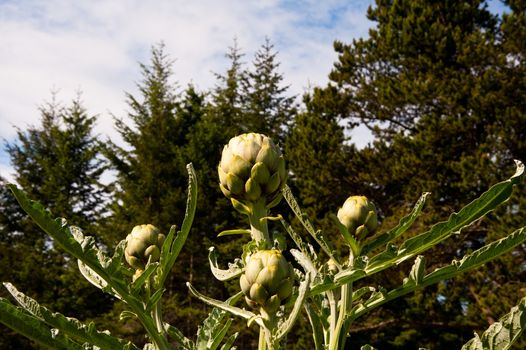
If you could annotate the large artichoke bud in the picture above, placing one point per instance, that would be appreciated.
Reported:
(143, 243)
(251, 168)
(267, 281)
(358, 215)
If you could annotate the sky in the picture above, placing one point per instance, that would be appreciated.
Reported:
(95, 47)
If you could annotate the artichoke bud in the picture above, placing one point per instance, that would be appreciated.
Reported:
(267, 280)
(252, 168)
(332, 267)
(359, 216)
(142, 244)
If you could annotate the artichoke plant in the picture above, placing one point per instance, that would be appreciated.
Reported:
(142, 244)
(252, 169)
(267, 281)
(359, 217)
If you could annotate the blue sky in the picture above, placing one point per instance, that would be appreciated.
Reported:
(95, 47)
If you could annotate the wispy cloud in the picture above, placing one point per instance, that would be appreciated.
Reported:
(95, 47)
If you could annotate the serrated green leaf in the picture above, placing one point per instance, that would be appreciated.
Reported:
(218, 336)
(286, 326)
(167, 244)
(70, 239)
(115, 262)
(503, 334)
(69, 326)
(210, 331)
(467, 263)
(87, 253)
(305, 248)
(234, 269)
(305, 262)
(92, 276)
(223, 305)
(31, 327)
(179, 337)
(487, 202)
(55, 228)
(403, 225)
(230, 341)
(182, 235)
(303, 218)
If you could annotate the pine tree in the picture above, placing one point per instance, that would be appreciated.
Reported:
(152, 179)
(150, 172)
(437, 84)
(267, 108)
(226, 105)
(57, 164)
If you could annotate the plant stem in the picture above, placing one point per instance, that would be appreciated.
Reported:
(337, 340)
(258, 227)
(334, 312)
(335, 335)
(157, 317)
(262, 344)
(157, 339)
(154, 329)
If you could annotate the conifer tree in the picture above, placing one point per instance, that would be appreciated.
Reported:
(150, 172)
(318, 157)
(152, 179)
(432, 81)
(226, 105)
(58, 164)
(267, 108)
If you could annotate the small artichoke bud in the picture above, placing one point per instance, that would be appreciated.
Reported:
(267, 281)
(358, 215)
(332, 267)
(251, 168)
(143, 243)
(333, 270)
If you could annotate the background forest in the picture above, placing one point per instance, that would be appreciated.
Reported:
(442, 87)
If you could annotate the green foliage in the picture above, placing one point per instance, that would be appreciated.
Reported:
(267, 109)
(142, 296)
(502, 334)
(441, 85)
(58, 163)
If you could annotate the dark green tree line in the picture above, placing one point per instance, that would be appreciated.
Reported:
(442, 85)
(59, 165)
(434, 83)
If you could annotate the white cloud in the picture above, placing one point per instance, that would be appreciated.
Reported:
(95, 46)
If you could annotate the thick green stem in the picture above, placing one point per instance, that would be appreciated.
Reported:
(270, 323)
(333, 303)
(154, 329)
(156, 337)
(262, 345)
(258, 227)
(335, 335)
(337, 340)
